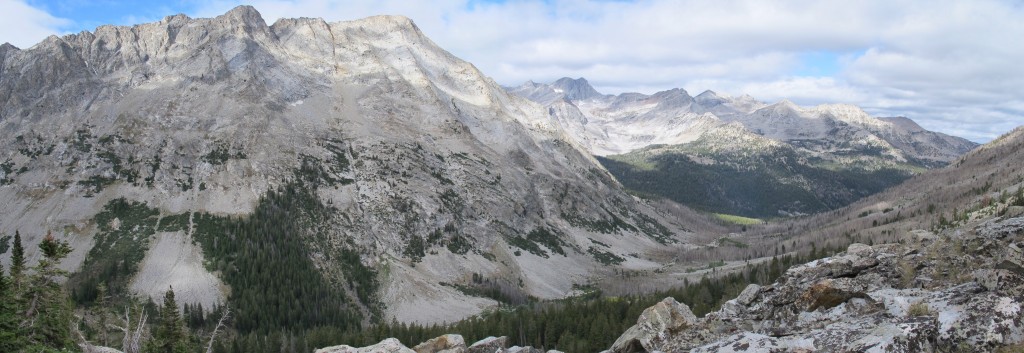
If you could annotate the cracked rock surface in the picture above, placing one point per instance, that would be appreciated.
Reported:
(933, 292)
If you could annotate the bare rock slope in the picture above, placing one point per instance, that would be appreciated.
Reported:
(430, 170)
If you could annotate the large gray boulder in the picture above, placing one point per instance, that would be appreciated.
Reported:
(390, 345)
(442, 344)
(489, 345)
(655, 326)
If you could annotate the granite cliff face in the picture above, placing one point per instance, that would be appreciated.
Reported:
(432, 172)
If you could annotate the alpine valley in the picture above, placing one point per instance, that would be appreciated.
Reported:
(739, 156)
(345, 184)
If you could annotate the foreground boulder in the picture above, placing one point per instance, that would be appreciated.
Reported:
(390, 345)
(442, 344)
(947, 292)
(655, 325)
(489, 345)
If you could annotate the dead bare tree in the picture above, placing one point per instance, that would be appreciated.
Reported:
(84, 343)
(216, 330)
(132, 341)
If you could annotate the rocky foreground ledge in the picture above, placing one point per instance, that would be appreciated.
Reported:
(958, 291)
(442, 344)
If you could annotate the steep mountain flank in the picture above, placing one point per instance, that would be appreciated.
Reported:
(390, 170)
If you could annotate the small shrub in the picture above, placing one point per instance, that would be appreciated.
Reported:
(919, 309)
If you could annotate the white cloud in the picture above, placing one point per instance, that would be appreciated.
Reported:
(950, 65)
(24, 25)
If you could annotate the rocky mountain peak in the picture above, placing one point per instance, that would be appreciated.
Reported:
(787, 104)
(848, 113)
(782, 109)
(178, 18)
(675, 98)
(244, 14)
(708, 94)
(903, 122)
(710, 100)
(243, 20)
(4, 49)
(7, 46)
(576, 89)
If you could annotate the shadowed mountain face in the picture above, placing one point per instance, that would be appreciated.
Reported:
(390, 170)
(739, 156)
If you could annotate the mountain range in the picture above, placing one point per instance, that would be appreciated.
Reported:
(321, 178)
(405, 171)
(737, 155)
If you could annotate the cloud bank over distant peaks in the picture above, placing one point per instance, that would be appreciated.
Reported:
(953, 66)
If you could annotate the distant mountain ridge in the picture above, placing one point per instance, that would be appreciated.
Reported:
(832, 148)
(785, 121)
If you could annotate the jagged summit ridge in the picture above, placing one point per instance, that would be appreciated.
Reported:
(801, 159)
(643, 119)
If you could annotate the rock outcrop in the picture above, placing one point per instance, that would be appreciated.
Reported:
(389, 345)
(442, 344)
(958, 289)
(656, 324)
(489, 345)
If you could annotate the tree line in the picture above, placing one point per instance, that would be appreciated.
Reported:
(37, 313)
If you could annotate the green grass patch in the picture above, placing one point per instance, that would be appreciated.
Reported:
(740, 220)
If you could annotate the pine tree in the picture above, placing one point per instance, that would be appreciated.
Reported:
(9, 339)
(48, 311)
(17, 260)
(170, 335)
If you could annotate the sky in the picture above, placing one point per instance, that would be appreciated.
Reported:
(952, 66)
